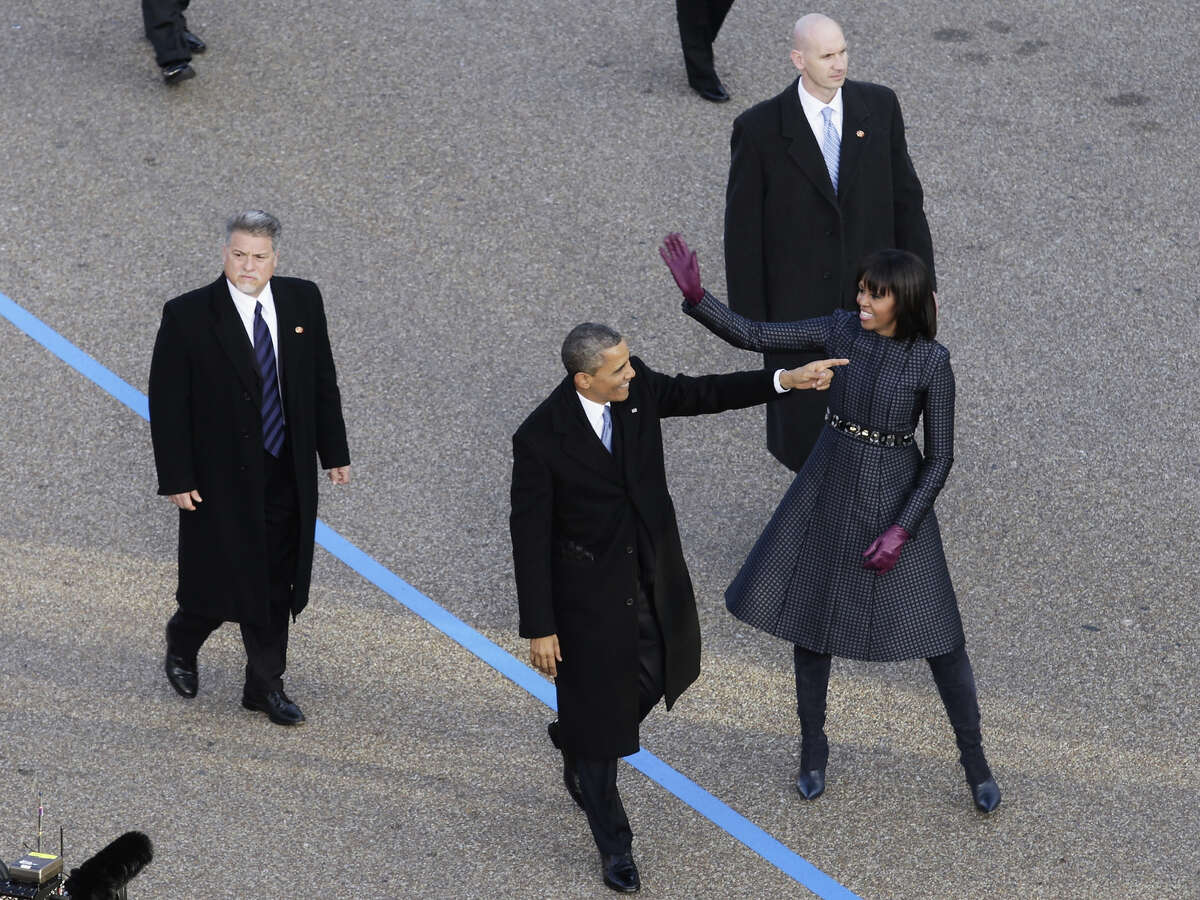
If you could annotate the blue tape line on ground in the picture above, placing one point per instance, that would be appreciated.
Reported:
(448, 623)
(738, 826)
(74, 357)
(720, 814)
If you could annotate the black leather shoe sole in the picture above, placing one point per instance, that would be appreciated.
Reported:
(184, 679)
(281, 711)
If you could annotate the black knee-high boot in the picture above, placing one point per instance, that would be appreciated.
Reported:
(956, 684)
(812, 685)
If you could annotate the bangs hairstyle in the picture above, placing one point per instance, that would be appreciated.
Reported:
(906, 276)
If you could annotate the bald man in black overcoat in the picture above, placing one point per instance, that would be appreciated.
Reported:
(793, 241)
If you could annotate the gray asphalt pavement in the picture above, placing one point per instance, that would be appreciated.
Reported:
(468, 180)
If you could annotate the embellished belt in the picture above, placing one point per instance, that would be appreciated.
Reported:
(878, 438)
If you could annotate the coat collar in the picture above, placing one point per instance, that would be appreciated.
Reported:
(856, 119)
(803, 147)
(231, 334)
(578, 439)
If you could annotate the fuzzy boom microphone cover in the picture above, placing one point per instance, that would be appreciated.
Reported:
(103, 876)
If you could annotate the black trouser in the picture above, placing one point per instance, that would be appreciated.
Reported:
(598, 777)
(165, 26)
(955, 683)
(266, 642)
(699, 23)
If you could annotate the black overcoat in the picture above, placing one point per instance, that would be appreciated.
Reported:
(574, 533)
(792, 247)
(206, 425)
(804, 581)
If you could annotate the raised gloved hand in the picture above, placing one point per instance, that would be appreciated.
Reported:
(684, 267)
(884, 552)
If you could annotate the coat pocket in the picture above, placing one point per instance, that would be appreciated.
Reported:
(569, 551)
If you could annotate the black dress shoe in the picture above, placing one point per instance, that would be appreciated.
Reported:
(986, 795)
(811, 785)
(193, 42)
(716, 94)
(276, 705)
(177, 72)
(182, 675)
(620, 872)
(570, 776)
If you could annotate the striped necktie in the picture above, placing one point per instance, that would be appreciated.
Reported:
(272, 409)
(831, 146)
(606, 431)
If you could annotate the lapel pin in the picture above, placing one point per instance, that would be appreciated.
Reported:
(299, 329)
(633, 410)
(860, 134)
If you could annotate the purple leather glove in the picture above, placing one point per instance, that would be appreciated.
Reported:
(884, 552)
(684, 267)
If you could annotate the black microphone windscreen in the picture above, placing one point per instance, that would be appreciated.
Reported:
(102, 876)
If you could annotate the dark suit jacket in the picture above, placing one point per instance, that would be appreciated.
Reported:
(792, 247)
(206, 425)
(574, 527)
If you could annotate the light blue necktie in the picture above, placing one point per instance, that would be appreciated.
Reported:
(606, 431)
(831, 146)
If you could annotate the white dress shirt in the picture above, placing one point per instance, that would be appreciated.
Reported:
(594, 412)
(812, 111)
(245, 307)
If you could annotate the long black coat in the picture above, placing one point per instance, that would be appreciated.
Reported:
(804, 581)
(574, 534)
(792, 247)
(206, 425)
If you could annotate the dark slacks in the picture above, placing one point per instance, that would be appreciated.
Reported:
(699, 23)
(598, 777)
(165, 26)
(955, 682)
(266, 643)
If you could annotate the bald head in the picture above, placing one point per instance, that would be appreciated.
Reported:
(807, 26)
(819, 52)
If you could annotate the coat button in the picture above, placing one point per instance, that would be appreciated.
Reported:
(827, 275)
(628, 549)
(629, 601)
(245, 395)
(245, 434)
(243, 468)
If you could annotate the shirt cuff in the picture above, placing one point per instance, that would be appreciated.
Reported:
(779, 388)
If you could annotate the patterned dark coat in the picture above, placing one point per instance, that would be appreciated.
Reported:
(804, 581)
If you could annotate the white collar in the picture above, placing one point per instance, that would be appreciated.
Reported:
(594, 412)
(265, 297)
(812, 106)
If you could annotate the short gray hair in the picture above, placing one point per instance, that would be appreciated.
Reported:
(584, 347)
(257, 222)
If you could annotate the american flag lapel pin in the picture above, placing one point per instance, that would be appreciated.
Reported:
(633, 410)
(860, 133)
(299, 329)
